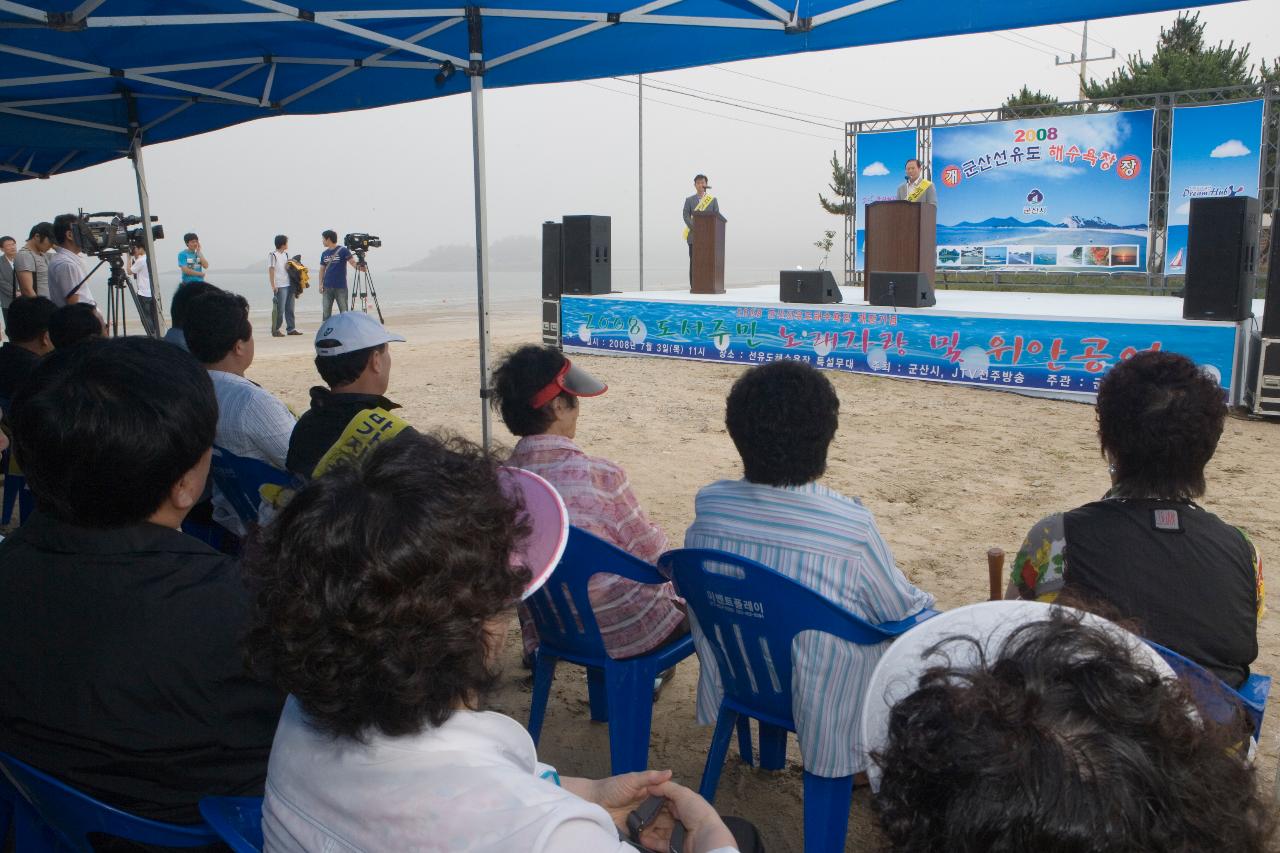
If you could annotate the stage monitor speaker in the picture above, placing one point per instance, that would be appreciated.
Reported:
(901, 289)
(1271, 311)
(551, 322)
(552, 260)
(813, 287)
(1222, 250)
(586, 254)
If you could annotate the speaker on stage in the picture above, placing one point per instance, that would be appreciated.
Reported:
(901, 289)
(551, 323)
(586, 254)
(813, 287)
(1222, 249)
(1271, 311)
(552, 260)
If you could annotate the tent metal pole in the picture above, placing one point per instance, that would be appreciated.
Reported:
(482, 251)
(640, 195)
(144, 205)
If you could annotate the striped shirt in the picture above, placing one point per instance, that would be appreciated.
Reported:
(829, 543)
(633, 618)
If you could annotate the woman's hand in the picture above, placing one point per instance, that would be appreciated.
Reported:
(706, 831)
(619, 795)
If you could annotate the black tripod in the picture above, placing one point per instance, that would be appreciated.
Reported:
(362, 287)
(117, 285)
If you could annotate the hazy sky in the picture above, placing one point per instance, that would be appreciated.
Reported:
(405, 172)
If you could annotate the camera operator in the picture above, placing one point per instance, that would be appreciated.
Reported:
(142, 278)
(333, 273)
(65, 270)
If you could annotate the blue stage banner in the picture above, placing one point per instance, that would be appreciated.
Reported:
(1061, 355)
(1060, 193)
(880, 163)
(1216, 152)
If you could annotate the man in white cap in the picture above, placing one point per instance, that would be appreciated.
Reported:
(352, 415)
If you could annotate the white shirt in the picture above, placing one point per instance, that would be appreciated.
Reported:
(473, 784)
(279, 261)
(142, 274)
(252, 423)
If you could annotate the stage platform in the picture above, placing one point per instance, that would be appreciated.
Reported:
(1053, 344)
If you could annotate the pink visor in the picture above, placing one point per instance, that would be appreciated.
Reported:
(547, 519)
(570, 380)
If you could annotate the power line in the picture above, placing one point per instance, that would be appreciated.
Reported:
(650, 99)
(1023, 44)
(810, 91)
(1095, 38)
(1021, 34)
(742, 100)
(731, 104)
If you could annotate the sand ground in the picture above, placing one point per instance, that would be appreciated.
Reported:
(948, 471)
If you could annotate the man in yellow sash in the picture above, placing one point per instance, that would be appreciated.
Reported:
(917, 187)
(700, 202)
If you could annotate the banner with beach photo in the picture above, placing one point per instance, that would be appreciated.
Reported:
(880, 165)
(1059, 193)
(1216, 151)
(1049, 354)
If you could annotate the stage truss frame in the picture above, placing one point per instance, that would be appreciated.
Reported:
(1161, 105)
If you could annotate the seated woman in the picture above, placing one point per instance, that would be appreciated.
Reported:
(537, 389)
(385, 631)
(1147, 553)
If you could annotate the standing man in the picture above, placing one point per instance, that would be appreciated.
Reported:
(32, 264)
(700, 202)
(333, 273)
(142, 279)
(67, 284)
(191, 260)
(281, 289)
(8, 274)
(917, 187)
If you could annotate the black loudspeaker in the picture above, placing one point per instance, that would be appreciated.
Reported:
(1222, 256)
(551, 322)
(586, 254)
(552, 260)
(901, 289)
(1271, 311)
(813, 287)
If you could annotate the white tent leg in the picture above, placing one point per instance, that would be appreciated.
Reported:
(144, 205)
(482, 251)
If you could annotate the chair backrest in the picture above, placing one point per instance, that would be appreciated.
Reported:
(74, 815)
(749, 614)
(237, 820)
(562, 608)
(240, 480)
(1217, 699)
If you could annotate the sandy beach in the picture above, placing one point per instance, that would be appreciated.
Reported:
(948, 471)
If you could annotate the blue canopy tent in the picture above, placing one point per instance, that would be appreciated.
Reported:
(83, 83)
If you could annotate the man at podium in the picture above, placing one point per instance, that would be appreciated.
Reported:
(917, 187)
(700, 202)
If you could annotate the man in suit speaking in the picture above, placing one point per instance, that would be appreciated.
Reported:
(917, 187)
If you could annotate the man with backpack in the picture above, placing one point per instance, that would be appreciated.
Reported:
(281, 289)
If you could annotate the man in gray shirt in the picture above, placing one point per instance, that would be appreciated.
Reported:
(917, 187)
(699, 202)
(8, 276)
(31, 266)
(65, 270)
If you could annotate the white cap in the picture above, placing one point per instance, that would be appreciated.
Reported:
(351, 331)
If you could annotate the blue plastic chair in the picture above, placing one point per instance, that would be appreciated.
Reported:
(49, 815)
(1219, 700)
(237, 820)
(240, 480)
(750, 614)
(620, 691)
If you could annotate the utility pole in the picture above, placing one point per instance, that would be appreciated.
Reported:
(640, 160)
(1084, 59)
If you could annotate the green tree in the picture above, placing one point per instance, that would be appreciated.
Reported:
(841, 203)
(1181, 61)
(1026, 103)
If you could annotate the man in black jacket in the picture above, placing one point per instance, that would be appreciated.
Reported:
(120, 666)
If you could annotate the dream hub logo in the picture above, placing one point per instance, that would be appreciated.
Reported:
(1035, 204)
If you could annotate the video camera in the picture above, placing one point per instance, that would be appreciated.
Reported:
(108, 235)
(361, 243)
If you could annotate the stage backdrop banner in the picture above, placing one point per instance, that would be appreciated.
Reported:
(1061, 355)
(881, 167)
(1216, 152)
(1067, 192)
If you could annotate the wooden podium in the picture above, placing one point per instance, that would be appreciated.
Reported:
(901, 236)
(708, 253)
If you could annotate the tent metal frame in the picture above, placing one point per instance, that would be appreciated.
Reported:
(1162, 105)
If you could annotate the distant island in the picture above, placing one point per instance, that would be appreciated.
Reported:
(1094, 222)
(510, 254)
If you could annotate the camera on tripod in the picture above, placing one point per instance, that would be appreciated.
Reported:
(361, 243)
(109, 235)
